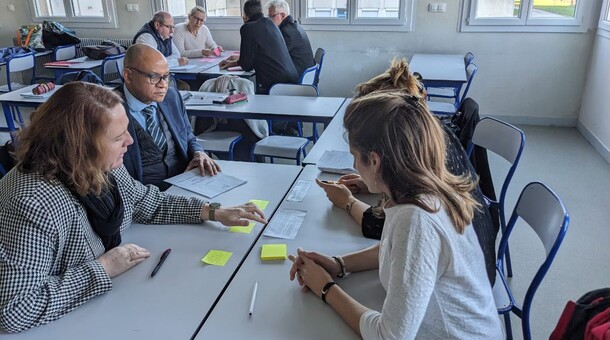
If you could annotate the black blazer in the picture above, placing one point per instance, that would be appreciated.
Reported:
(298, 44)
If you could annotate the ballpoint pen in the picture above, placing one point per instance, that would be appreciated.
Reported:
(161, 260)
(253, 299)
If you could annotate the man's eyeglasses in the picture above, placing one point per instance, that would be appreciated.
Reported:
(274, 15)
(171, 27)
(154, 78)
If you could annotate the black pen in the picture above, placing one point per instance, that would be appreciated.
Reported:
(161, 260)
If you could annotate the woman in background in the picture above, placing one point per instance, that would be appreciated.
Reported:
(192, 38)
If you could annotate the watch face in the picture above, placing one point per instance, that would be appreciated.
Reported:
(214, 205)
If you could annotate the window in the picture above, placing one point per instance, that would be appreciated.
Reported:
(380, 15)
(357, 14)
(604, 20)
(525, 15)
(75, 13)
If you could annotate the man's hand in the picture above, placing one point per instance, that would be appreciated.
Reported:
(207, 53)
(227, 63)
(205, 164)
(183, 61)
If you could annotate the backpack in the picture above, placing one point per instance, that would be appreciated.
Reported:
(86, 76)
(105, 49)
(30, 36)
(588, 318)
(55, 34)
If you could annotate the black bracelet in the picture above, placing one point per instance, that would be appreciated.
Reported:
(325, 290)
(342, 274)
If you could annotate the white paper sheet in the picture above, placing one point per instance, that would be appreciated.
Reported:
(338, 162)
(208, 186)
(285, 224)
(299, 190)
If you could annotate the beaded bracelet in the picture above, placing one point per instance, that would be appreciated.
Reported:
(341, 265)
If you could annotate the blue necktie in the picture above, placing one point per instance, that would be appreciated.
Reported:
(153, 128)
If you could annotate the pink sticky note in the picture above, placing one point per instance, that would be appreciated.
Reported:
(217, 51)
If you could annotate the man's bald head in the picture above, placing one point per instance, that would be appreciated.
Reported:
(142, 66)
(139, 55)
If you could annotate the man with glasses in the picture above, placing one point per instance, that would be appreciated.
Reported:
(192, 38)
(294, 35)
(158, 34)
(164, 144)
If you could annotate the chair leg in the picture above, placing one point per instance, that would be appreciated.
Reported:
(300, 129)
(509, 267)
(315, 132)
(507, 325)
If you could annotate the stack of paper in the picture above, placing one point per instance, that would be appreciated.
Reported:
(273, 252)
(208, 186)
(31, 95)
(338, 162)
(182, 68)
(285, 224)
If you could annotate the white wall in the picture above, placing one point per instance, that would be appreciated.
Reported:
(594, 118)
(532, 78)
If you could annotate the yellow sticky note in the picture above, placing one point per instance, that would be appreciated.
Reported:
(244, 230)
(273, 252)
(217, 257)
(261, 204)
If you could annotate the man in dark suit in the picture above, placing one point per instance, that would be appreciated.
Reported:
(294, 35)
(262, 49)
(164, 144)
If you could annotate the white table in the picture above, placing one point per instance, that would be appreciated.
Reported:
(172, 304)
(287, 108)
(282, 310)
(200, 68)
(440, 70)
(333, 137)
(79, 64)
(14, 98)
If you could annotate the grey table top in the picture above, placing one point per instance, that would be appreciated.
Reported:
(282, 310)
(82, 63)
(312, 109)
(443, 67)
(333, 137)
(172, 304)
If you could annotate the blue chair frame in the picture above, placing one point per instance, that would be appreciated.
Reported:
(319, 59)
(546, 214)
(112, 59)
(14, 109)
(508, 142)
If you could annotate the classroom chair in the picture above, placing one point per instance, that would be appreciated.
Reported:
(60, 53)
(18, 63)
(468, 58)
(443, 108)
(110, 65)
(541, 209)
(319, 59)
(297, 90)
(309, 75)
(508, 142)
(288, 147)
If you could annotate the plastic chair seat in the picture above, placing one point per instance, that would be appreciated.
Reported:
(441, 92)
(280, 146)
(441, 108)
(219, 141)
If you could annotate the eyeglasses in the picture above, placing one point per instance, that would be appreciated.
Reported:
(154, 78)
(274, 15)
(171, 27)
(196, 19)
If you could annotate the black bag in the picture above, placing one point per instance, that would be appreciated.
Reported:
(55, 34)
(106, 49)
(86, 76)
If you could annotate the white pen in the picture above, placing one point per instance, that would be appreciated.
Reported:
(253, 299)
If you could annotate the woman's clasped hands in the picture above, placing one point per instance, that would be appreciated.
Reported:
(313, 270)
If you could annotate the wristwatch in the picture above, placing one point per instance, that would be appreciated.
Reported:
(212, 207)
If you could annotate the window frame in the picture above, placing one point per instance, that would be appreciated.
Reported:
(604, 20)
(524, 22)
(109, 20)
(404, 21)
(298, 9)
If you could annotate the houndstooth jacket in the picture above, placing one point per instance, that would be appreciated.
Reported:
(48, 249)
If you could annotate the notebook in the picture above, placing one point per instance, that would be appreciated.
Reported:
(208, 186)
(338, 162)
(203, 98)
(235, 69)
(62, 63)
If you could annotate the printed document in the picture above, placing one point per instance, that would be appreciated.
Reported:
(285, 224)
(208, 186)
(299, 190)
(203, 98)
